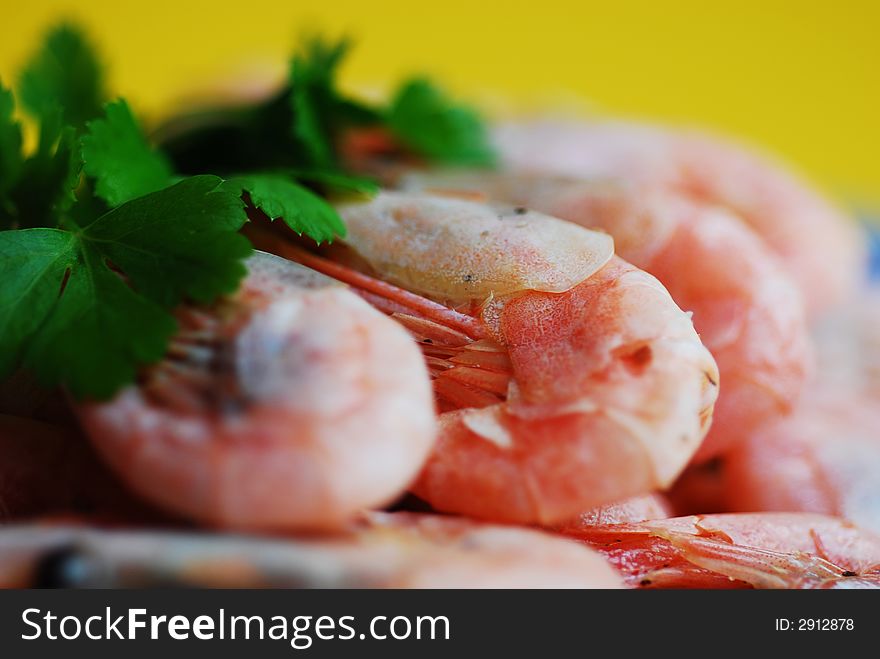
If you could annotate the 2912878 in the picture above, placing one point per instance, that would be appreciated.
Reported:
(815, 624)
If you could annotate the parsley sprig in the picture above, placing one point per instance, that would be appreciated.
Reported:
(116, 154)
(456, 133)
(102, 233)
(303, 124)
(100, 238)
(66, 313)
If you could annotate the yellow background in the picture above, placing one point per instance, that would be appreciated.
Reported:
(802, 78)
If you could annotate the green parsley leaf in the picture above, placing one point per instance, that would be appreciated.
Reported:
(300, 127)
(90, 333)
(64, 74)
(337, 182)
(46, 184)
(297, 127)
(301, 209)
(66, 313)
(62, 87)
(428, 122)
(180, 241)
(10, 145)
(312, 82)
(115, 152)
(319, 109)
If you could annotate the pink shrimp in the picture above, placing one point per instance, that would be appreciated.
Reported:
(397, 550)
(745, 307)
(824, 458)
(566, 378)
(762, 550)
(820, 246)
(292, 404)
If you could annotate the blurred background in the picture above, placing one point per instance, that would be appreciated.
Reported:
(800, 78)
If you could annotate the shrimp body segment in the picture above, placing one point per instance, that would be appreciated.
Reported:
(745, 307)
(380, 550)
(292, 404)
(760, 550)
(605, 404)
(824, 458)
(818, 244)
(554, 399)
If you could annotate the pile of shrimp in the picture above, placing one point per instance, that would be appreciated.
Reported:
(629, 357)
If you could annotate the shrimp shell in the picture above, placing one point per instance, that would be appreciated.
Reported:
(746, 308)
(293, 404)
(608, 389)
(399, 237)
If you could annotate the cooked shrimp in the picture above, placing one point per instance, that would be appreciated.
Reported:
(292, 404)
(49, 469)
(745, 307)
(824, 458)
(820, 458)
(763, 550)
(820, 247)
(380, 551)
(566, 378)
